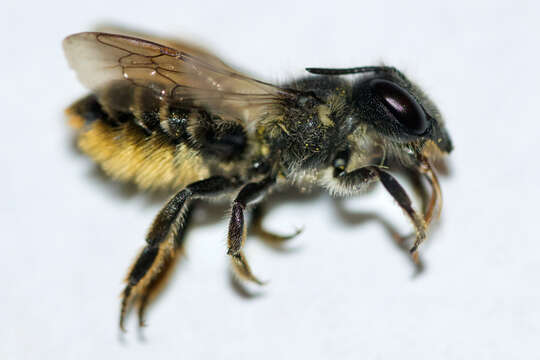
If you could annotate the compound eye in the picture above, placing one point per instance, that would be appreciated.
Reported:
(402, 105)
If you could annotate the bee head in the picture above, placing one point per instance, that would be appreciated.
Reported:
(389, 103)
(399, 110)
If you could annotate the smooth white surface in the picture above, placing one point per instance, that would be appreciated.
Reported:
(346, 292)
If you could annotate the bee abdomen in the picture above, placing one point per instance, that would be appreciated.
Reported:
(217, 138)
(122, 103)
(127, 153)
(85, 111)
(173, 121)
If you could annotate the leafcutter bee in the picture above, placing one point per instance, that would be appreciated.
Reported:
(173, 116)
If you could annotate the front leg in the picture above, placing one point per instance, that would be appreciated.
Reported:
(400, 195)
(349, 183)
(250, 193)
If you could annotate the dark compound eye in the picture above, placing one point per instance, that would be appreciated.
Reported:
(402, 105)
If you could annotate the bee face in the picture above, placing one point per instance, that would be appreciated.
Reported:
(398, 110)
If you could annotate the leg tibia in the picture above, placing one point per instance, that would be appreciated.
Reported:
(237, 226)
(165, 240)
(346, 183)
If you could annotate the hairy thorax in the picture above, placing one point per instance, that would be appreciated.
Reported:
(304, 136)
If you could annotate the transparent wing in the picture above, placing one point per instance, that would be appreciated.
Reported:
(179, 75)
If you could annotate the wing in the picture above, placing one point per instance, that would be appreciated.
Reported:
(176, 75)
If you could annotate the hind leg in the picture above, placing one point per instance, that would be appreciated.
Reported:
(164, 244)
(159, 278)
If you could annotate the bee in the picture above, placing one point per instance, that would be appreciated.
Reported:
(168, 115)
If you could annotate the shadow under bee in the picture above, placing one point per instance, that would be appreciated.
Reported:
(358, 218)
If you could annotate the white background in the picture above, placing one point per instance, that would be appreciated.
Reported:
(344, 290)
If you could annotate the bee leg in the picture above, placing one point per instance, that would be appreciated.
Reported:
(162, 242)
(400, 195)
(420, 190)
(435, 203)
(159, 278)
(237, 228)
(354, 181)
(256, 227)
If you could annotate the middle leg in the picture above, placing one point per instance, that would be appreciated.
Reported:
(250, 193)
(256, 227)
